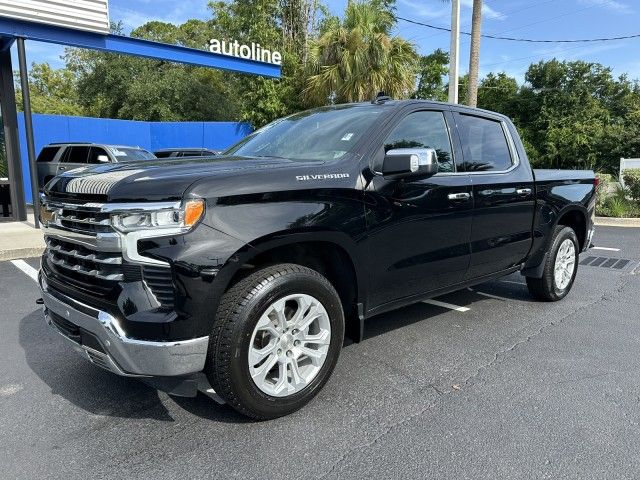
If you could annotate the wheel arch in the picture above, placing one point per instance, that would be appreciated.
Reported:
(573, 215)
(576, 217)
(333, 254)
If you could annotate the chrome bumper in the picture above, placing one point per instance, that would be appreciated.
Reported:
(122, 355)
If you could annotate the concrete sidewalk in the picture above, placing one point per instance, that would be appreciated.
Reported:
(617, 222)
(20, 240)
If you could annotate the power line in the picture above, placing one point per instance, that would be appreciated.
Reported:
(527, 40)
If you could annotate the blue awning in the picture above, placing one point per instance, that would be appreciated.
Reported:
(11, 28)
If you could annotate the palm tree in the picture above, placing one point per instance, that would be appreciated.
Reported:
(356, 58)
(474, 55)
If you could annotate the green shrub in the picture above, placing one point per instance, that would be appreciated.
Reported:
(618, 206)
(632, 182)
(605, 186)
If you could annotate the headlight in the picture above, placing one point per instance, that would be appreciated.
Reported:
(179, 219)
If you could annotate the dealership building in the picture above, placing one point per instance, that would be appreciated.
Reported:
(82, 24)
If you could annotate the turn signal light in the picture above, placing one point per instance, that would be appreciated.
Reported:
(193, 211)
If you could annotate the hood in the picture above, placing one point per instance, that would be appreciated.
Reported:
(156, 180)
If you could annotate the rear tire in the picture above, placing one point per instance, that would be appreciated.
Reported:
(560, 268)
(258, 361)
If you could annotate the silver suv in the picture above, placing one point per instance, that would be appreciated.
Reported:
(56, 158)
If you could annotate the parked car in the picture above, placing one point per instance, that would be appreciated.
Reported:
(240, 275)
(185, 152)
(56, 158)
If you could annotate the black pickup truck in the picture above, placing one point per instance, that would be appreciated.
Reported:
(239, 275)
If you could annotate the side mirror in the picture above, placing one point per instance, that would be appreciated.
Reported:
(410, 162)
(103, 159)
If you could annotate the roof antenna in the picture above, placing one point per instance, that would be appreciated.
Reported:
(381, 97)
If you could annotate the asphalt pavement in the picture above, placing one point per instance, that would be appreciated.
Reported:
(510, 388)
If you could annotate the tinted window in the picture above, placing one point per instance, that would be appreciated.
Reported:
(76, 155)
(95, 152)
(163, 154)
(485, 145)
(423, 130)
(321, 134)
(47, 154)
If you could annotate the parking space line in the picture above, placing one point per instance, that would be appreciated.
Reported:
(450, 306)
(27, 269)
(608, 249)
(488, 295)
(512, 281)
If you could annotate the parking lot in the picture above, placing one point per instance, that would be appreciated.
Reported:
(482, 383)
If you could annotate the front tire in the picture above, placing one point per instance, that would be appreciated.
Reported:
(560, 268)
(275, 341)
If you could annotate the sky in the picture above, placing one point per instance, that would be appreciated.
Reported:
(537, 19)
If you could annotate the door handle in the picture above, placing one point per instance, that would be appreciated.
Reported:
(62, 168)
(459, 196)
(524, 191)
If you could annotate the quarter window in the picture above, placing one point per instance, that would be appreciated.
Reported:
(47, 154)
(485, 145)
(426, 129)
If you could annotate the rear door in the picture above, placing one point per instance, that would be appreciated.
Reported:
(74, 157)
(418, 229)
(503, 191)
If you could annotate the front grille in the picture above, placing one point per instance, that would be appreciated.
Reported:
(92, 272)
(84, 220)
(83, 263)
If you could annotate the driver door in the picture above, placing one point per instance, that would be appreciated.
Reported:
(419, 230)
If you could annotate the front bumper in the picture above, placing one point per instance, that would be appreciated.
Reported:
(110, 348)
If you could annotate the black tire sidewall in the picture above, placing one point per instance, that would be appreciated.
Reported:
(563, 234)
(248, 315)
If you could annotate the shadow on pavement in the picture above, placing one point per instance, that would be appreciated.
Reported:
(421, 312)
(100, 392)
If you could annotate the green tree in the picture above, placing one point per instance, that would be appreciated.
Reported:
(51, 91)
(284, 25)
(431, 77)
(119, 86)
(474, 53)
(577, 115)
(357, 57)
(498, 92)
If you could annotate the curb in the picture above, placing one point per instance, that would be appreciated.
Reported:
(17, 253)
(617, 222)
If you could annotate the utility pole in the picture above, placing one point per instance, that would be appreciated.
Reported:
(454, 57)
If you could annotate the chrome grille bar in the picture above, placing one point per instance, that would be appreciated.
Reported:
(59, 248)
(88, 221)
(61, 262)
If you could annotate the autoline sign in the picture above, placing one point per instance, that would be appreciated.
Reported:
(254, 51)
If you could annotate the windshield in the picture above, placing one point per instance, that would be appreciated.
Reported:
(321, 134)
(124, 154)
